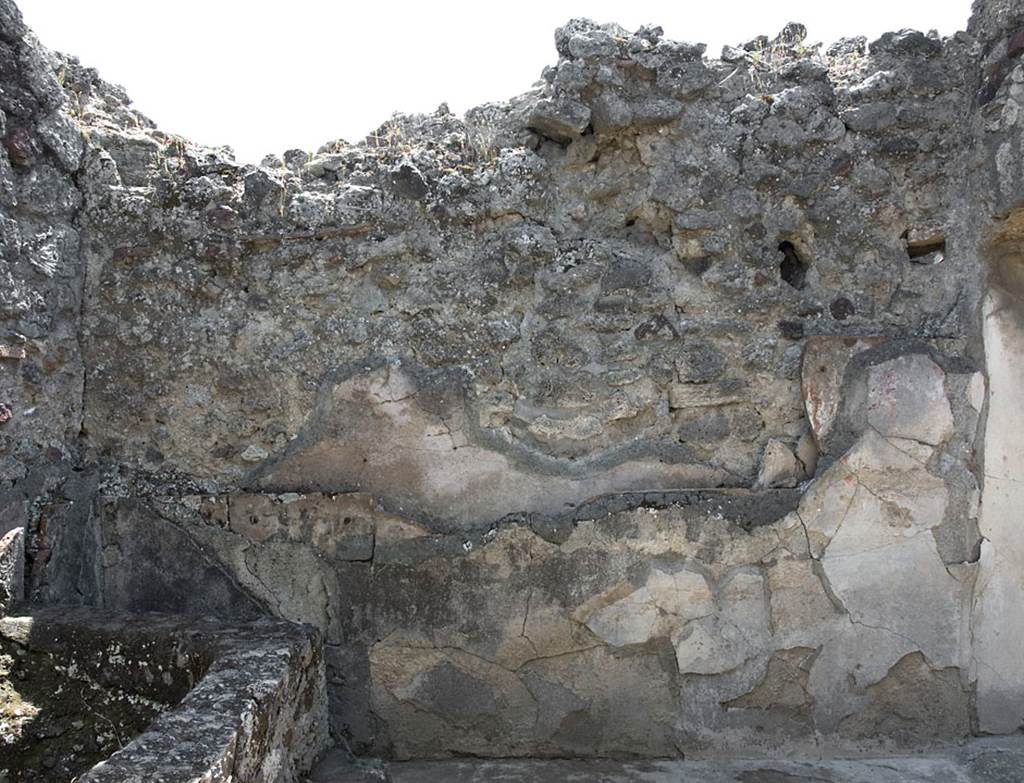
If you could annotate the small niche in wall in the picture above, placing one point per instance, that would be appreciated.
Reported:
(926, 252)
(793, 267)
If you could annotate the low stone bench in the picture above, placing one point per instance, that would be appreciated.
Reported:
(239, 702)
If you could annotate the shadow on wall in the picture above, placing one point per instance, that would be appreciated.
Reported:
(1005, 253)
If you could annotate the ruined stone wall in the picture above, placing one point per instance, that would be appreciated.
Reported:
(471, 319)
(46, 486)
(641, 414)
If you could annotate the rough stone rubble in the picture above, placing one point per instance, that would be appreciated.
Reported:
(669, 407)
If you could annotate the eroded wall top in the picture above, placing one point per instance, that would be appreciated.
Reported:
(601, 285)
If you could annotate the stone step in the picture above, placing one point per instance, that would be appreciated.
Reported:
(989, 760)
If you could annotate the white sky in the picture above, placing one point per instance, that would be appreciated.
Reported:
(267, 76)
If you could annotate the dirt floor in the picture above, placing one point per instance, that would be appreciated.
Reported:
(56, 722)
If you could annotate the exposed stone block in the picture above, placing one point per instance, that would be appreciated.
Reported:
(12, 569)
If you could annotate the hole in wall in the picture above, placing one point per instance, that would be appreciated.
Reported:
(793, 268)
(791, 330)
(842, 308)
(697, 266)
(926, 252)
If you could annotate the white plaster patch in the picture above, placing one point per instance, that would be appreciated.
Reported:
(903, 588)
(907, 399)
(976, 391)
(738, 632)
(877, 494)
(664, 602)
(859, 652)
